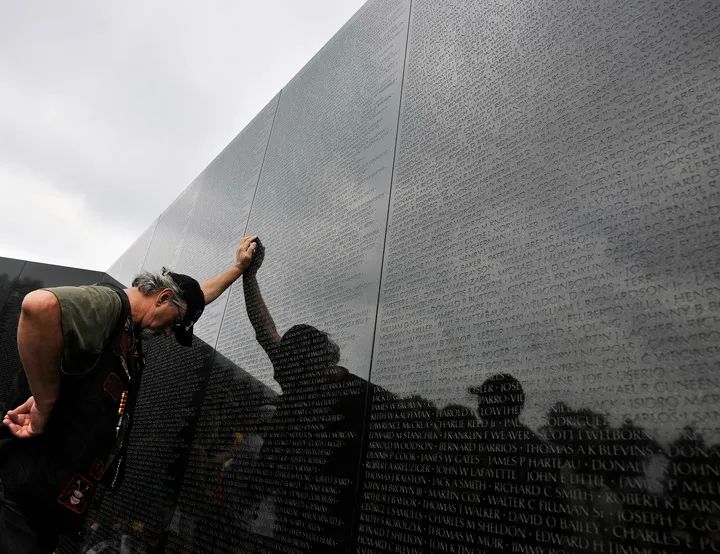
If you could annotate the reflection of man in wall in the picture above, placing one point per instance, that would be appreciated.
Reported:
(521, 480)
(311, 445)
(80, 348)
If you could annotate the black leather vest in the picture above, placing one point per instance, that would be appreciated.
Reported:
(53, 476)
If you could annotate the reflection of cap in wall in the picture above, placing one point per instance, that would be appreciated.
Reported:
(191, 292)
(500, 396)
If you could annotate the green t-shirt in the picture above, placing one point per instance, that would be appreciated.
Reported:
(89, 314)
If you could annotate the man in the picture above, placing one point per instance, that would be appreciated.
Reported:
(81, 349)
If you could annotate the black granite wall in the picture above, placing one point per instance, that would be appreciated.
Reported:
(492, 239)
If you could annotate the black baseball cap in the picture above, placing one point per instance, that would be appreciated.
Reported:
(193, 296)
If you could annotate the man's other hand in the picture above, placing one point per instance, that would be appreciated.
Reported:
(244, 252)
(26, 420)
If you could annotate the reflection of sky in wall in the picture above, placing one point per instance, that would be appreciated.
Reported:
(107, 112)
(542, 232)
(319, 214)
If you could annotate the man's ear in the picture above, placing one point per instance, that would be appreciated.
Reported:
(163, 296)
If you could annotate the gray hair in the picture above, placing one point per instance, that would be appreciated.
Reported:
(149, 282)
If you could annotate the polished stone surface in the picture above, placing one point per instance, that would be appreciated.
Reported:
(9, 272)
(553, 355)
(488, 315)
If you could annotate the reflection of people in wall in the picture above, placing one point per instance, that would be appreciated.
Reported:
(311, 445)
(81, 351)
(634, 487)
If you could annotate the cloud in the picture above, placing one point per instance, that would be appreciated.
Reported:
(120, 106)
(43, 222)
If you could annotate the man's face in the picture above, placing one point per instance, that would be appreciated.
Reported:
(163, 316)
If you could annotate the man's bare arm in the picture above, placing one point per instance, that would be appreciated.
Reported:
(215, 286)
(258, 313)
(40, 345)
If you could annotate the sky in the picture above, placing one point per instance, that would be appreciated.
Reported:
(109, 110)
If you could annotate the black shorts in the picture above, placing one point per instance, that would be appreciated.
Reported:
(21, 533)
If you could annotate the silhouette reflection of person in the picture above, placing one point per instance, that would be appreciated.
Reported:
(304, 487)
(519, 476)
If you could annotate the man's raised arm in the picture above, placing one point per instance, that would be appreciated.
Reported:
(215, 286)
(40, 345)
(258, 313)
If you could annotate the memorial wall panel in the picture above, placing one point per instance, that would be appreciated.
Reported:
(171, 229)
(546, 357)
(227, 188)
(275, 460)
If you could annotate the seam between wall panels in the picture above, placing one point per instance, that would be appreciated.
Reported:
(368, 394)
(262, 165)
(152, 236)
(202, 390)
(247, 221)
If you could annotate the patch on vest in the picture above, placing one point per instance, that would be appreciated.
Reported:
(96, 470)
(113, 386)
(76, 494)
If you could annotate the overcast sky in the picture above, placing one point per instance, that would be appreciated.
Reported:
(109, 110)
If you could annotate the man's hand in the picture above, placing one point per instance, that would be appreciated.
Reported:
(26, 420)
(257, 259)
(215, 286)
(244, 252)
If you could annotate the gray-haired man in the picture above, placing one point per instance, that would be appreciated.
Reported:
(81, 351)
